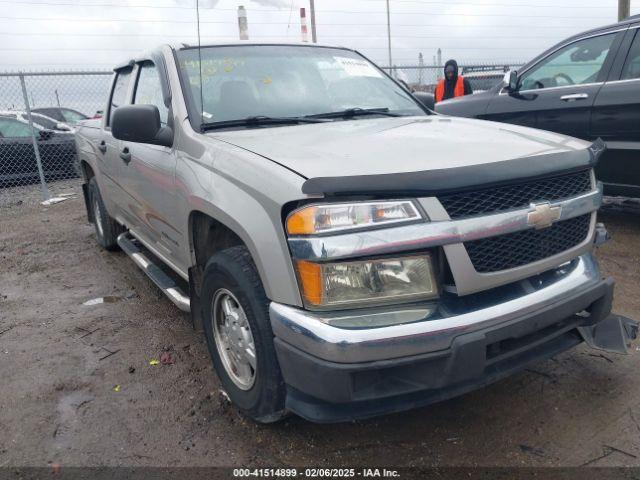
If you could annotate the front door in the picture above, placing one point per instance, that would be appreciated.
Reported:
(557, 93)
(616, 119)
(149, 173)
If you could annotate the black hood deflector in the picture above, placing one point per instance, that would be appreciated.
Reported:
(444, 180)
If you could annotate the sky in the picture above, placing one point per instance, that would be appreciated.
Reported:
(97, 34)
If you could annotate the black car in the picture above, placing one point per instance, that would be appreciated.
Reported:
(62, 114)
(587, 86)
(18, 164)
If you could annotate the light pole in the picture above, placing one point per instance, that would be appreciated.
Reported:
(312, 9)
(623, 9)
(389, 34)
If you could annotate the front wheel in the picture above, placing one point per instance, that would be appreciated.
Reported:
(235, 312)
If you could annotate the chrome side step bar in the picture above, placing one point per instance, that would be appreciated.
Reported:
(163, 281)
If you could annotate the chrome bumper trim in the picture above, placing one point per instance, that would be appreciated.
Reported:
(432, 234)
(311, 333)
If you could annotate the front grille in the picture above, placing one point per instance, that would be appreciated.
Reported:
(527, 246)
(488, 200)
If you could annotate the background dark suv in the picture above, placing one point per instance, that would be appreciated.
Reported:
(587, 86)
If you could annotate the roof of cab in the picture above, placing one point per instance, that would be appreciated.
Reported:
(623, 23)
(635, 19)
(239, 43)
(236, 43)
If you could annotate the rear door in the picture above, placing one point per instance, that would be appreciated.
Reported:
(108, 148)
(557, 92)
(58, 155)
(616, 119)
(149, 172)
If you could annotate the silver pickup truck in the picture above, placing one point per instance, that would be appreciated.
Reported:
(346, 251)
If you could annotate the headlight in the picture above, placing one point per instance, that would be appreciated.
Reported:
(329, 218)
(361, 283)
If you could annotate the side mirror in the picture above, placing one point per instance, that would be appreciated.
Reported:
(511, 81)
(140, 124)
(62, 127)
(45, 134)
(425, 98)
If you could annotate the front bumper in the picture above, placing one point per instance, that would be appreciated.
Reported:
(336, 374)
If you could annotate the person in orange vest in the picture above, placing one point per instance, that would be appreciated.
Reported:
(452, 85)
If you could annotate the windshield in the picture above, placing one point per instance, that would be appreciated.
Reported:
(286, 81)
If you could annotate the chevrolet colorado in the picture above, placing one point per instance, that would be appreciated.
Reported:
(346, 251)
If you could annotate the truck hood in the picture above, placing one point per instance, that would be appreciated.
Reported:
(379, 146)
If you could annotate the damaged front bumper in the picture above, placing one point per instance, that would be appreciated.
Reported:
(612, 334)
(336, 374)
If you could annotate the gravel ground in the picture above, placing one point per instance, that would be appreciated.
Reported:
(78, 387)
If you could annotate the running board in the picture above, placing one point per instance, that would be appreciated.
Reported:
(163, 281)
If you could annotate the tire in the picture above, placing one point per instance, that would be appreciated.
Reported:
(107, 229)
(230, 275)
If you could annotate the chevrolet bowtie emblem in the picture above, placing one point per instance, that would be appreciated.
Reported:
(542, 215)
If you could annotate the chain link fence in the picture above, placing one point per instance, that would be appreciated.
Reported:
(424, 78)
(38, 114)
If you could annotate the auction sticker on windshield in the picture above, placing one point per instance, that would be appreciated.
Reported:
(357, 68)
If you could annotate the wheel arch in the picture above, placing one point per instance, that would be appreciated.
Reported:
(258, 234)
(86, 170)
(208, 235)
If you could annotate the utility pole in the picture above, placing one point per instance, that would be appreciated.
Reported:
(312, 8)
(389, 33)
(623, 9)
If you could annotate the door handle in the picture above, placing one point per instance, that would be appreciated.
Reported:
(574, 96)
(125, 155)
(102, 146)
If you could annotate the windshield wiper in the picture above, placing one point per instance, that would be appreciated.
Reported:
(355, 112)
(257, 120)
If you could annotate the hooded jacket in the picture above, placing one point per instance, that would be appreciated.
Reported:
(456, 87)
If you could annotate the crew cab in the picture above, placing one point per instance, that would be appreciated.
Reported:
(587, 86)
(346, 252)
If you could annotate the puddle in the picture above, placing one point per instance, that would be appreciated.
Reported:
(67, 419)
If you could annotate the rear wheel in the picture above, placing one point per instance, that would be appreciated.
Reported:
(107, 229)
(236, 324)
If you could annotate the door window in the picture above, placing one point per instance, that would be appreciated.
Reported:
(631, 67)
(574, 64)
(43, 121)
(120, 88)
(10, 128)
(149, 90)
